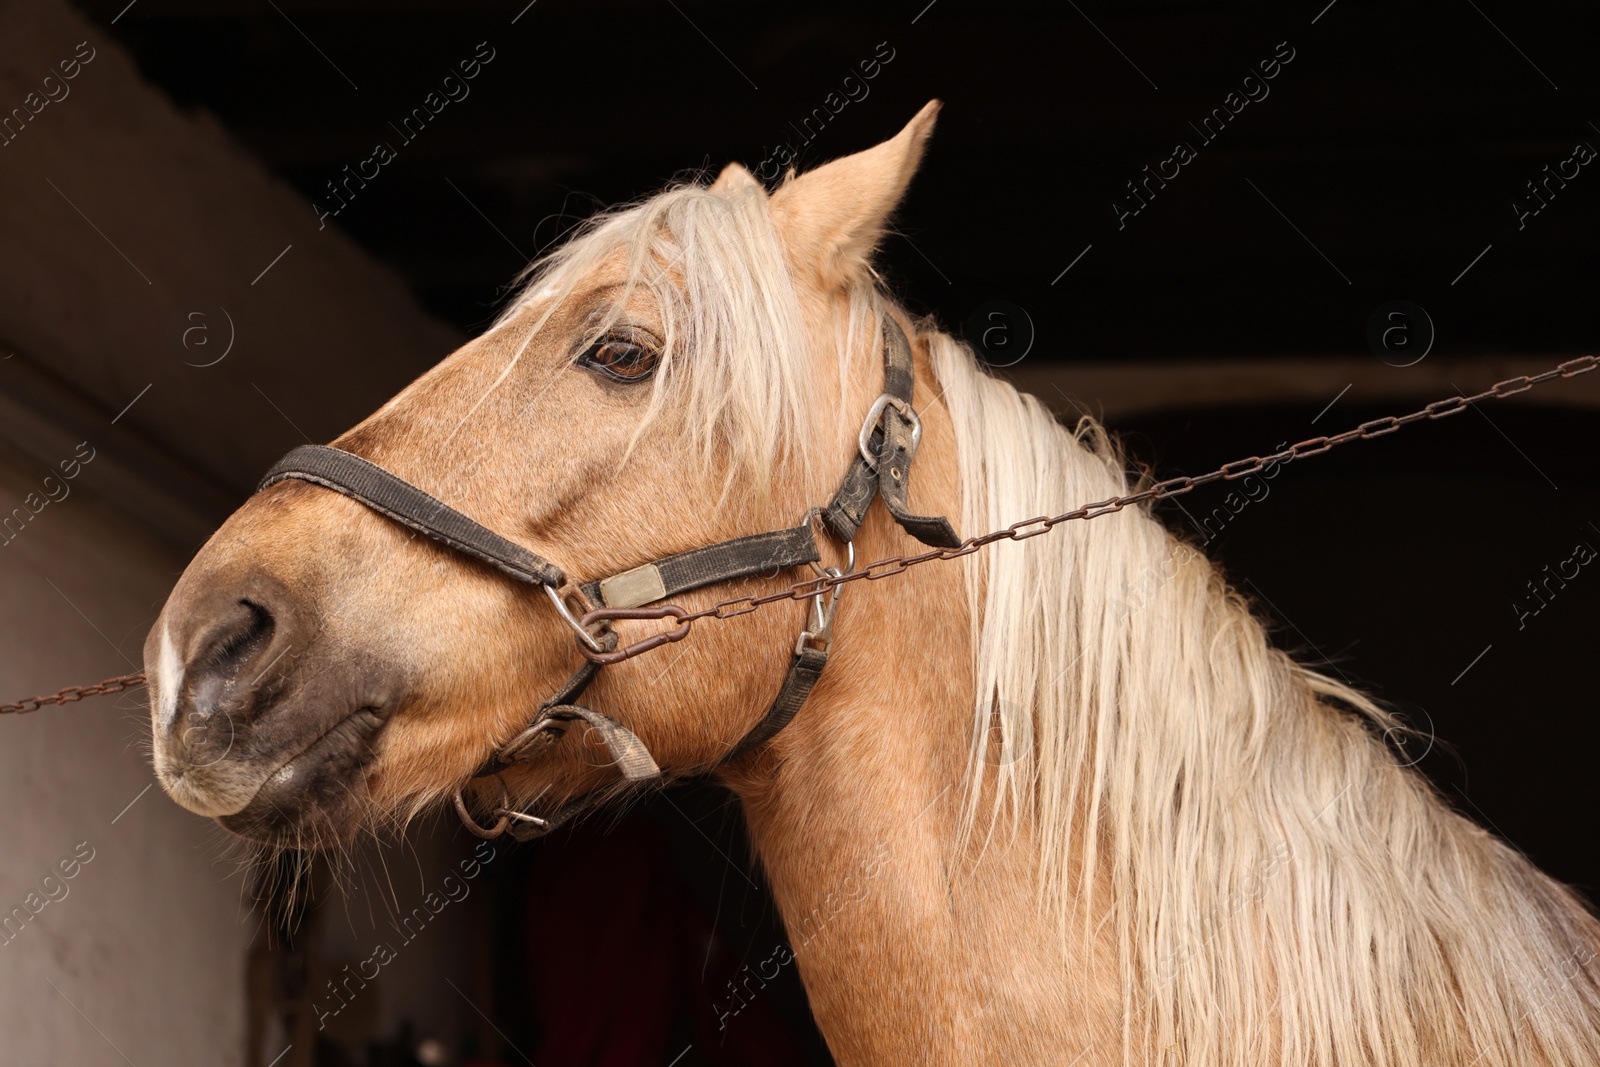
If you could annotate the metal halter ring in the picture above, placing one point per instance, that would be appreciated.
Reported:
(811, 515)
(875, 413)
(504, 811)
(587, 638)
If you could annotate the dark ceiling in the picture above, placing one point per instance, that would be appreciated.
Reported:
(1383, 160)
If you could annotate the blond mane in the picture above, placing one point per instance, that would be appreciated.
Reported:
(1272, 870)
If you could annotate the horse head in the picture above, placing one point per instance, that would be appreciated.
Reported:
(682, 372)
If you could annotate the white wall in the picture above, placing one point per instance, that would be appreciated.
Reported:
(149, 942)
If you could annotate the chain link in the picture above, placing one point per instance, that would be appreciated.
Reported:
(1017, 531)
(74, 693)
(1239, 468)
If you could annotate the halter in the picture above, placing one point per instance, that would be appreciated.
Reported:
(881, 467)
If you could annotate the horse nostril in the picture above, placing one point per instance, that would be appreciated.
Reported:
(220, 682)
(241, 644)
(219, 679)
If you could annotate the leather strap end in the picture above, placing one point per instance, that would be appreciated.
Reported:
(632, 758)
(894, 484)
(934, 531)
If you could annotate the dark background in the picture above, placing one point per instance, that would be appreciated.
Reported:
(1382, 165)
(1395, 140)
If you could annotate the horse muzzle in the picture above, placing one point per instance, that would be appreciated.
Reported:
(259, 719)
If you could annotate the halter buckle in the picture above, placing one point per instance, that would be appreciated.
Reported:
(505, 815)
(875, 415)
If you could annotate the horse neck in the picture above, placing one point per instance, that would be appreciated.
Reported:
(852, 817)
(913, 954)
(853, 812)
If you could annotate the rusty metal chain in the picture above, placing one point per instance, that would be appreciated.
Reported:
(1017, 531)
(74, 693)
(1021, 531)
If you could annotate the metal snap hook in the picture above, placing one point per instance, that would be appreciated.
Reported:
(653, 641)
(820, 632)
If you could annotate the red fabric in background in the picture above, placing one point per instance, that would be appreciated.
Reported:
(623, 962)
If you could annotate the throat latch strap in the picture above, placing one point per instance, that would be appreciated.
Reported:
(804, 671)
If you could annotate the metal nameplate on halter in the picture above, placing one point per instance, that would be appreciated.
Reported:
(642, 585)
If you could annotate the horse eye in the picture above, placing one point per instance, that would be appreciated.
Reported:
(620, 360)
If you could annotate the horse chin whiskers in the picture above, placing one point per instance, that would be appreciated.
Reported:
(211, 790)
(321, 790)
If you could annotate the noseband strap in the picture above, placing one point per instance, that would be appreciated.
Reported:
(403, 502)
(881, 468)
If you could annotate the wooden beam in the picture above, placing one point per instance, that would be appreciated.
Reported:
(1119, 390)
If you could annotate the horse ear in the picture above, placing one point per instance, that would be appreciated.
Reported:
(831, 218)
(735, 179)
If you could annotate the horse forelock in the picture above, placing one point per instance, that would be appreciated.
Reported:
(738, 374)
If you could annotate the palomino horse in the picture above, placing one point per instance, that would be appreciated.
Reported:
(1060, 802)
